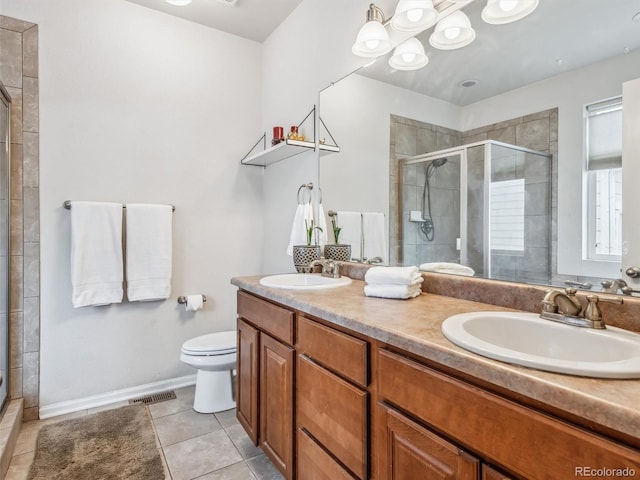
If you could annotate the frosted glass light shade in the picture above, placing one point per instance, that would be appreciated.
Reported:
(409, 55)
(453, 32)
(372, 40)
(414, 15)
(498, 12)
(179, 3)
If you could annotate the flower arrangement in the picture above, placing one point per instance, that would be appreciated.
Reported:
(309, 227)
(336, 230)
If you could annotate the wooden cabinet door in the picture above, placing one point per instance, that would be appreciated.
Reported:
(276, 403)
(415, 453)
(247, 379)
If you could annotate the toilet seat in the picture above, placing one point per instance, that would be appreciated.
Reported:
(212, 344)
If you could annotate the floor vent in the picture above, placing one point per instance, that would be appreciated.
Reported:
(155, 398)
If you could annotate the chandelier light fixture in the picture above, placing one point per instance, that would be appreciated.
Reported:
(452, 28)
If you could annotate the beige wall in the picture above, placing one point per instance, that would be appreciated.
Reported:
(19, 74)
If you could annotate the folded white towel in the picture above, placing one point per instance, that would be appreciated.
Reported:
(298, 234)
(392, 291)
(351, 225)
(149, 250)
(96, 253)
(393, 275)
(375, 239)
(446, 267)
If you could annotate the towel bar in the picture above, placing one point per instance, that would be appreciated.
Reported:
(183, 299)
(67, 205)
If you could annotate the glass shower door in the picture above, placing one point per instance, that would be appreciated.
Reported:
(4, 243)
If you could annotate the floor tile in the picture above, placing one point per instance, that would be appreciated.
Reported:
(237, 471)
(184, 425)
(242, 442)
(182, 402)
(263, 469)
(227, 418)
(26, 440)
(19, 467)
(201, 455)
(110, 406)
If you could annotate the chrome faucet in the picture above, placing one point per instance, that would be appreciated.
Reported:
(564, 307)
(329, 268)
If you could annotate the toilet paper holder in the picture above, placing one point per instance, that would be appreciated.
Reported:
(182, 299)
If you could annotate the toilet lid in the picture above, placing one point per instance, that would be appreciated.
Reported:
(220, 343)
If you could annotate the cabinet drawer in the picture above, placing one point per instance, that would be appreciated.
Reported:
(316, 464)
(275, 320)
(528, 443)
(334, 412)
(342, 353)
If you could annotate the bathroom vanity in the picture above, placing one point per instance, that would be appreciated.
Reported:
(336, 385)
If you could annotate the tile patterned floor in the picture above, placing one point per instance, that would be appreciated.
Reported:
(193, 445)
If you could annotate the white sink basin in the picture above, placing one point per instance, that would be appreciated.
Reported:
(526, 339)
(303, 281)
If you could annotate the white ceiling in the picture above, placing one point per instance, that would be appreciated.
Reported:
(560, 35)
(252, 19)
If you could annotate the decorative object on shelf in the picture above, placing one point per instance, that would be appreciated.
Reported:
(453, 29)
(288, 147)
(278, 135)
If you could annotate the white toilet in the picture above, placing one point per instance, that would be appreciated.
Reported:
(214, 355)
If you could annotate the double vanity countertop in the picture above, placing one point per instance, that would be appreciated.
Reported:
(415, 326)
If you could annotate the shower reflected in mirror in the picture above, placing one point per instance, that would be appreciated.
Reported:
(427, 227)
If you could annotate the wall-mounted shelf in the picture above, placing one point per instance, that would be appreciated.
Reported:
(287, 148)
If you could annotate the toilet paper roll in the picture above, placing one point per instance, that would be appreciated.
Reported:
(194, 303)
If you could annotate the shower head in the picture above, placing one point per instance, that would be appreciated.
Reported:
(438, 162)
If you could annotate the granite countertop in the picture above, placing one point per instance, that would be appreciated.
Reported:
(414, 326)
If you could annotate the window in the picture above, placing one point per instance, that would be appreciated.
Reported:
(507, 216)
(604, 179)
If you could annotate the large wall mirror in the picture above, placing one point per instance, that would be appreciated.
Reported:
(498, 156)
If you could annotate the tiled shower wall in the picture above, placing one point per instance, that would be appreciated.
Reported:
(19, 74)
(538, 131)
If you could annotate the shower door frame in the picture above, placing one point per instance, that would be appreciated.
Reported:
(5, 98)
(462, 151)
(429, 157)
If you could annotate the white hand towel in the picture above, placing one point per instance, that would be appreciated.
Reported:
(375, 241)
(96, 253)
(149, 251)
(392, 291)
(446, 267)
(298, 230)
(351, 225)
(322, 223)
(393, 275)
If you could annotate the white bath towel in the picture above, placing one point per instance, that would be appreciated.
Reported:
(96, 253)
(298, 234)
(149, 251)
(447, 267)
(375, 240)
(392, 291)
(351, 225)
(393, 276)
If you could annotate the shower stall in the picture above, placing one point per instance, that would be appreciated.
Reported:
(486, 205)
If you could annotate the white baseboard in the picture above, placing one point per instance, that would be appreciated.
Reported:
(70, 406)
